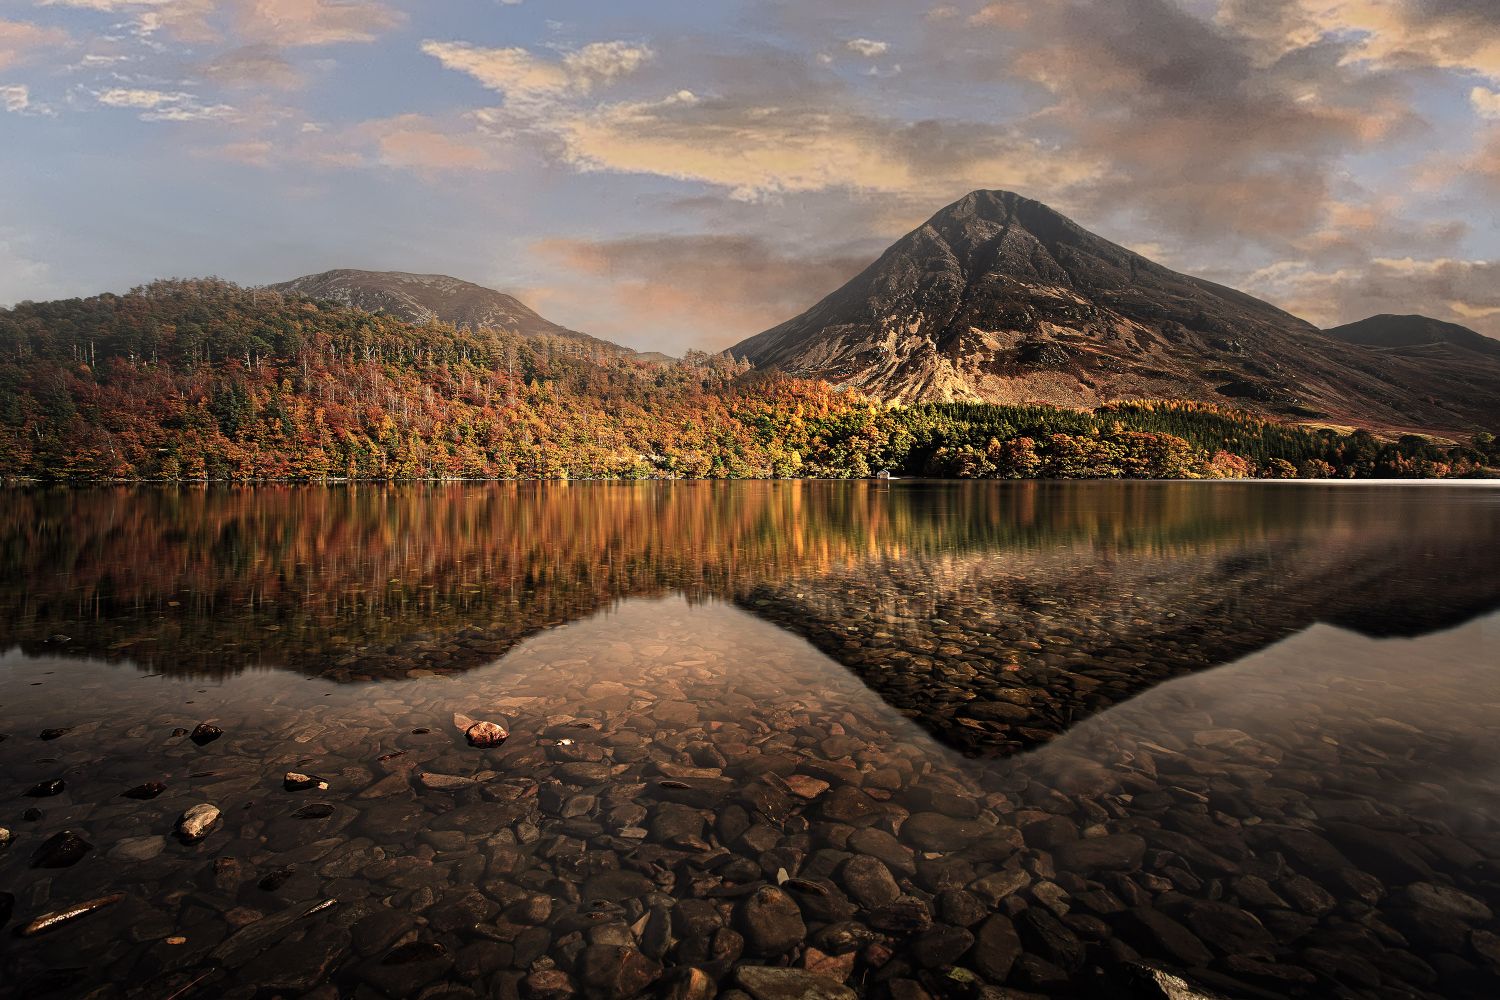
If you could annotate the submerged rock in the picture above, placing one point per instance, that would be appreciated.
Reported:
(145, 790)
(771, 922)
(61, 850)
(296, 781)
(486, 734)
(57, 918)
(204, 733)
(138, 848)
(766, 983)
(443, 782)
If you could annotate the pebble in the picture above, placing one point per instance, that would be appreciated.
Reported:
(197, 822)
(59, 918)
(486, 734)
(204, 733)
(296, 781)
(61, 850)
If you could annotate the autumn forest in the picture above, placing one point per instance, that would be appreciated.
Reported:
(204, 380)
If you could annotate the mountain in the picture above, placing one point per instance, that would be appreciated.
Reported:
(422, 298)
(998, 298)
(1413, 335)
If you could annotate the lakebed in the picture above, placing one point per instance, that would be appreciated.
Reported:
(889, 739)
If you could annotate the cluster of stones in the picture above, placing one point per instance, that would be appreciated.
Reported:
(667, 819)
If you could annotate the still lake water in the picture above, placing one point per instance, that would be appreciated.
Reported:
(921, 739)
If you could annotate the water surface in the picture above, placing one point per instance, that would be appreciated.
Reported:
(1064, 738)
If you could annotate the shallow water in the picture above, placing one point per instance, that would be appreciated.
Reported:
(1058, 738)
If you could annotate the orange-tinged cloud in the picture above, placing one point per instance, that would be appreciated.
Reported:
(21, 41)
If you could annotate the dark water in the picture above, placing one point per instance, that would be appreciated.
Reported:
(913, 738)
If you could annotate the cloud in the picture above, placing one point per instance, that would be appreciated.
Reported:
(164, 106)
(512, 71)
(1201, 137)
(605, 61)
(15, 98)
(867, 47)
(522, 75)
(422, 144)
(185, 20)
(1486, 102)
(315, 22)
(253, 66)
(754, 149)
(679, 291)
(288, 23)
(1442, 34)
(1459, 35)
(414, 142)
(21, 41)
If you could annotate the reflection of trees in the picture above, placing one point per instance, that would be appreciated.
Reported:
(368, 580)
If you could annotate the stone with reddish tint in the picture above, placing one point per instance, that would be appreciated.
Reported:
(486, 734)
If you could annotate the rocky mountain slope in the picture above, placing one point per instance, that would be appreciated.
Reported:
(999, 298)
(421, 298)
(1415, 336)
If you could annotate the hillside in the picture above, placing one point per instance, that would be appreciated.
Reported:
(426, 298)
(202, 380)
(998, 298)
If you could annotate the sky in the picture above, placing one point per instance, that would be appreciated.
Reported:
(673, 174)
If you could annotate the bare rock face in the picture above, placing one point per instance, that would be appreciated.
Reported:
(1000, 299)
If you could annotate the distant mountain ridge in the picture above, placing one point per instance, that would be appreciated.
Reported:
(1391, 332)
(998, 298)
(422, 298)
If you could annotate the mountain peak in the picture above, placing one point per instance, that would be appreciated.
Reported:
(1000, 298)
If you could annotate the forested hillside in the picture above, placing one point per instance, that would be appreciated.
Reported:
(205, 380)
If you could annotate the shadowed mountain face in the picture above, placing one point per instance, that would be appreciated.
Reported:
(996, 614)
(1415, 336)
(999, 298)
(423, 298)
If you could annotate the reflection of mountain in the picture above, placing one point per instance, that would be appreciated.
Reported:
(1003, 650)
(927, 590)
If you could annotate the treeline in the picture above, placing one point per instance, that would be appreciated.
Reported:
(202, 380)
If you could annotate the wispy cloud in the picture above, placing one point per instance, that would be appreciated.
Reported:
(521, 75)
(164, 106)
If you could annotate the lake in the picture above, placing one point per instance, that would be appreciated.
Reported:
(894, 739)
